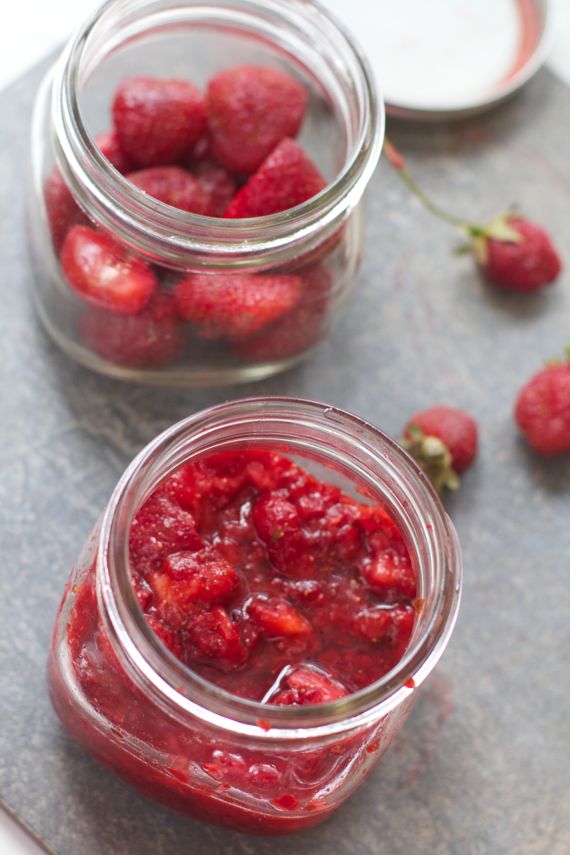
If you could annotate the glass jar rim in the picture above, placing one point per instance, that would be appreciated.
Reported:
(149, 225)
(181, 690)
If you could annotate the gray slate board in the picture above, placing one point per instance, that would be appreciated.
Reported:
(482, 765)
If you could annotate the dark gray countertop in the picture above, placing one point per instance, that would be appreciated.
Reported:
(482, 765)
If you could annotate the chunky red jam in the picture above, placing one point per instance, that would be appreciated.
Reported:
(254, 573)
(273, 585)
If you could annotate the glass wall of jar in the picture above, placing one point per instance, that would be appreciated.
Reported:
(240, 325)
(186, 741)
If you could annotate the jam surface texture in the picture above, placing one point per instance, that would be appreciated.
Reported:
(270, 583)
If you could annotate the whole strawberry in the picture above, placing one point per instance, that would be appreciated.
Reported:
(286, 178)
(516, 254)
(151, 339)
(250, 110)
(511, 252)
(174, 186)
(299, 329)
(542, 409)
(444, 442)
(235, 305)
(158, 121)
(103, 272)
(61, 208)
(110, 147)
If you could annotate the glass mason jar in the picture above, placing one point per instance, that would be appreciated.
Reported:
(180, 739)
(74, 183)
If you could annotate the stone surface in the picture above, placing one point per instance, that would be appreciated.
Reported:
(482, 765)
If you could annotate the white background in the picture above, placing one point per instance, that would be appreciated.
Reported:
(33, 28)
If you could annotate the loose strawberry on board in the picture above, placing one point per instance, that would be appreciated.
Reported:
(286, 178)
(158, 121)
(104, 273)
(542, 410)
(250, 110)
(511, 251)
(526, 262)
(173, 186)
(235, 305)
(151, 339)
(444, 442)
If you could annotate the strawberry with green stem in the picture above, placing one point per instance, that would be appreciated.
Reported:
(443, 440)
(511, 251)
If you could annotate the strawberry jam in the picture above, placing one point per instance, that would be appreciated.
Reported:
(264, 567)
(272, 585)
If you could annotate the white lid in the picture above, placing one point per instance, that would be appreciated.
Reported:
(437, 59)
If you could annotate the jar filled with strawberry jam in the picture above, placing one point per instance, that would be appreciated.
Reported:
(197, 175)
(248, 626)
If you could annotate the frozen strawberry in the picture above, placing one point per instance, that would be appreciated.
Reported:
(308, 685)
(104, 273)
(295, 334)
(511, 251)
(200, 576)
(235, 305)
(276, 618)
(300, 329)
(153, 338)
(286, 178)
(201, 151)
(390, 572)
(61, 208)
(444, 441)
(542, 409)
(173, 186)
(158, 121)
(212, 637)
(525, 261)
(250, 110)
(160, 528)
(218, 184)
(110, 147)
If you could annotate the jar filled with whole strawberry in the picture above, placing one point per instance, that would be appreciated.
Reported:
(246, 630)
(197, 174)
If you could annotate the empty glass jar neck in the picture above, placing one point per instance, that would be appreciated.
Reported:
(351, 448)
(300, 30)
